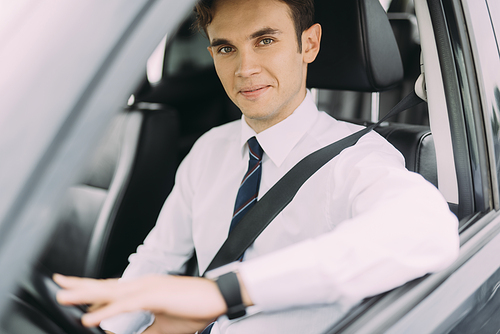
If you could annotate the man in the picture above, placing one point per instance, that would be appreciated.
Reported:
(360, 226)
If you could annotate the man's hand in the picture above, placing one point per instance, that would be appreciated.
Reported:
(180, 304)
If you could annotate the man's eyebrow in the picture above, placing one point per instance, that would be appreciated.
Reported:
(259, 33)
(265, 31)
(219, 41)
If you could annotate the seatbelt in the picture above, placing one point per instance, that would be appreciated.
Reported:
(283, 191)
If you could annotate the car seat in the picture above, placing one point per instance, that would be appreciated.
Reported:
(108, 213)
(359, 53)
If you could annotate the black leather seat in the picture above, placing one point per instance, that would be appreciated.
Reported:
(417, 145)
(114, 206)
(359, 53)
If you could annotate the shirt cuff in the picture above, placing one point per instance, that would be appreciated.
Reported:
(129, 323)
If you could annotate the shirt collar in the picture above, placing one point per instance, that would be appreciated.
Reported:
(280, 139)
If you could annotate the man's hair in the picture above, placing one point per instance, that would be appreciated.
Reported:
(301, 12)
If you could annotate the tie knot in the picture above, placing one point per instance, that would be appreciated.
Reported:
(255, 150)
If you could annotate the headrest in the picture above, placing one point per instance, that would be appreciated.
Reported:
(358, 49)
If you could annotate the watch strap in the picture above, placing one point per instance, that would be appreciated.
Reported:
(229, 287)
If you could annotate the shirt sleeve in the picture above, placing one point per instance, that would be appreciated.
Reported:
(400, 228)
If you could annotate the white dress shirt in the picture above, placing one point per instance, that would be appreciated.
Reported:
(361, 225)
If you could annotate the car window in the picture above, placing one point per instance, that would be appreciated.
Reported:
(487, 63)
(494, 10)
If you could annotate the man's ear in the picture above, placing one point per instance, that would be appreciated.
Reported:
(311, 40)
(209, 48)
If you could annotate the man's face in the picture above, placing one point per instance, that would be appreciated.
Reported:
(255, 51)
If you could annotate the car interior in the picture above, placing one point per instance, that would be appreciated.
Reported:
(132, 171)
(368, 62)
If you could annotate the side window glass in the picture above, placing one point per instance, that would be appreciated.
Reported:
(484, 33)
(494, 11)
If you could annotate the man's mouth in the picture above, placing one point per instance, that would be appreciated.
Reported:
(254, 91)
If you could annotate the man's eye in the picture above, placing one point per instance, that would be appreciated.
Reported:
(266, 41)
(225, 49)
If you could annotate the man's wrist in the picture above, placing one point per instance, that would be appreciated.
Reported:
(229, 288)
(234, 293)
(214, 274)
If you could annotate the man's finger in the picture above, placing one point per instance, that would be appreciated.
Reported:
(94, 318)
(84, 291)
(68, 282)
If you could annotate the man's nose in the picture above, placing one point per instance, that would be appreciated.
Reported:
(248, 64)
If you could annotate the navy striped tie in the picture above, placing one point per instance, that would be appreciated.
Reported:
(208, 329)
(249, 187)
(248, 192)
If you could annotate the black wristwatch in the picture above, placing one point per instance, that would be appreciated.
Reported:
(229, 287)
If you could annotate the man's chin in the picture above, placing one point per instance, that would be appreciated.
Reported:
(256, 115)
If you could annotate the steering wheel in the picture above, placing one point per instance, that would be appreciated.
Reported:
(40, 292)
